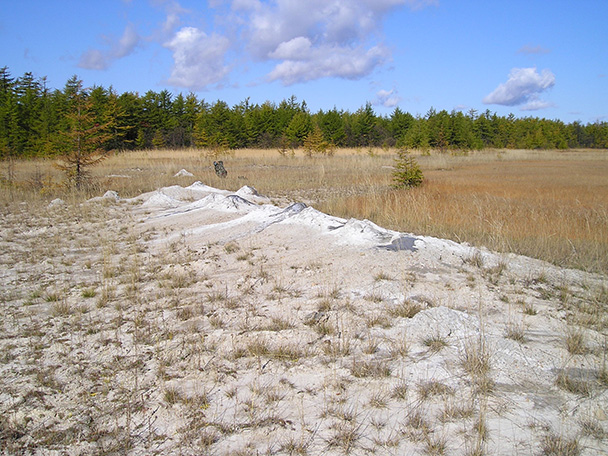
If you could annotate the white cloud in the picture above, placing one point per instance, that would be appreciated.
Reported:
(535, 104)
(387, 98)
(523, 87)
(295, 49)
(95, 59)
(304, 40)
(328, 61)
(199, 58)
(317, 38)
(127, 43)
(173, 20)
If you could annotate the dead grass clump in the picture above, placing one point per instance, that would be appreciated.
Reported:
(258, 347)
(325, 328)
(432, 388)
(295, 446)
(418, 425)
(278, 324)
(576, 342)
(602, 376)
(337, 348)
(289, 351)
(378, 319)
(435, 343)
(400, 347)
(475, 259)
(371, 368)
(435, 446)
(380, 276)
(172, 395)
(399, 391)
(378, 400)
(475, 359)
(405, 309)
(516, 332)
(557, 445)
(528, 309)
(61, 308)
(574, 384)
(345, 437)
(592, 428)
(456, 412)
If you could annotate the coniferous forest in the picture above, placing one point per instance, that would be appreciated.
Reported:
(35, 120)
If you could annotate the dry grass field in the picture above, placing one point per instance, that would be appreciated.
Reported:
(551, 205)
(191, 320)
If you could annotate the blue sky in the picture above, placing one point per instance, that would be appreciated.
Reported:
(545, 58)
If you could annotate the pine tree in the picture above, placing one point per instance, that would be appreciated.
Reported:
(81, 143)
(407, 172)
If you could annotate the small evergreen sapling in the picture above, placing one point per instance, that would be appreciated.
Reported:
(407, 172)
(81, 143)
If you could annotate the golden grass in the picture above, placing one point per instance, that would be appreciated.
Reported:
(551, 205)
(556, 211)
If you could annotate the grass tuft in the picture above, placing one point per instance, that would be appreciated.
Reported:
(557, 445)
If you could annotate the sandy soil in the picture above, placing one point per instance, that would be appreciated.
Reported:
(194, 320)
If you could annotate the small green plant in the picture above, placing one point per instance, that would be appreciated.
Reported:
(89, 293)
(407, 172)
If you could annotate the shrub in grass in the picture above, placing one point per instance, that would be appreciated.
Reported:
(407, 172)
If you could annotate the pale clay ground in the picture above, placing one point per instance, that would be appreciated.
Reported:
(193, 320)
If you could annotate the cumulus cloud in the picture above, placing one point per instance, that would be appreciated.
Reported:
(303, 40)
(318, 38)
(95, 59)
(387, 98)
(306, 64)
(199, 58)
(523, 88)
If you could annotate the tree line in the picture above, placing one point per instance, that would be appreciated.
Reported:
(35, 120)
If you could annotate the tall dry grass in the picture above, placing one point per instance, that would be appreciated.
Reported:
(551, 205)
(555, 210)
